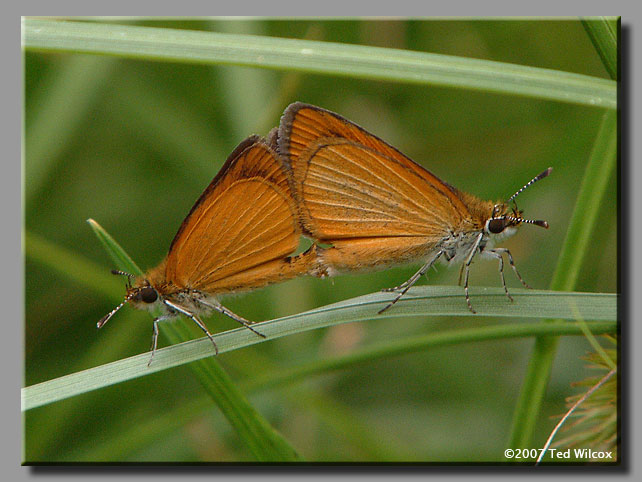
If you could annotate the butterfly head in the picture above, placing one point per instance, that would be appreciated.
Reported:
(506, 217)
(141, 295)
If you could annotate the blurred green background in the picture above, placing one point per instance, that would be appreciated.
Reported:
(132, 144)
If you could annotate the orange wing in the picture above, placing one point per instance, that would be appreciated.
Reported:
(351, 184)
(241, 229)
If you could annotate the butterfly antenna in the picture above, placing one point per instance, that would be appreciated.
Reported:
(536, 222)
(122, 273)
(106, 318)
(532, 181)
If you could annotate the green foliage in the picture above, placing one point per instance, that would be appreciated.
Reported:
(132, 143)
(582, 227)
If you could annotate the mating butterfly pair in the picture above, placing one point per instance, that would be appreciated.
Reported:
(321, 176)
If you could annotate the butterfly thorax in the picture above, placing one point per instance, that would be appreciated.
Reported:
(479, 211)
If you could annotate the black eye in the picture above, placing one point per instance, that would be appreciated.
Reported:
(496, 226)
(148, 294)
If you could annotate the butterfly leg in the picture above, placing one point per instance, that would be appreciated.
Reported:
(470, 306)
(498, 254)
(469, 260)
(461, 272)
(406, 284)
(154, 341)
(221, 309)
(404, 287)
(512, 265)
(195, 319)
(155, 337)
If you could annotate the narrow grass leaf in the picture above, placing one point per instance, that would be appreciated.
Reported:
(353, 61)
(123, 442)
(263, 441)
(423, 301)
(604, 38)
(115, 251)
(592, 190)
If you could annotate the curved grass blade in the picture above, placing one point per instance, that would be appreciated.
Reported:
(604, 37)
(423, 301)
(118, 255)
(128, 440)
(601, 166)
(265, 443)
(355, 61)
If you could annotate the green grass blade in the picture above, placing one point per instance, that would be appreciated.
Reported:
(353, 61)
(420, 343)
(600, 169)
(350, 61)
(261, 439)
(422, 301)
(265, 443)
(91, 279)
(604, 38)
(116, 252)
(601, 166)
(124, 441)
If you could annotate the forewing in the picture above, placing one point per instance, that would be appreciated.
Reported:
(349, 183)
(246, 218)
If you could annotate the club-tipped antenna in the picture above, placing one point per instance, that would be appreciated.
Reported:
(119, 272)
(130, 277)
(106, 318)
(536, 222)
(541, 175)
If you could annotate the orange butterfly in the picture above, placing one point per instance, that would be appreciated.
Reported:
(376, 207)
(237, 237)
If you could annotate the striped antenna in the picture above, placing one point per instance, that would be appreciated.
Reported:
(106, 318)
(119, 272)
(130, 277)
(536, 222)
(532, 181)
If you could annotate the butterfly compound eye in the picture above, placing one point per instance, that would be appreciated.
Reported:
(148, 295)
(496, 226)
